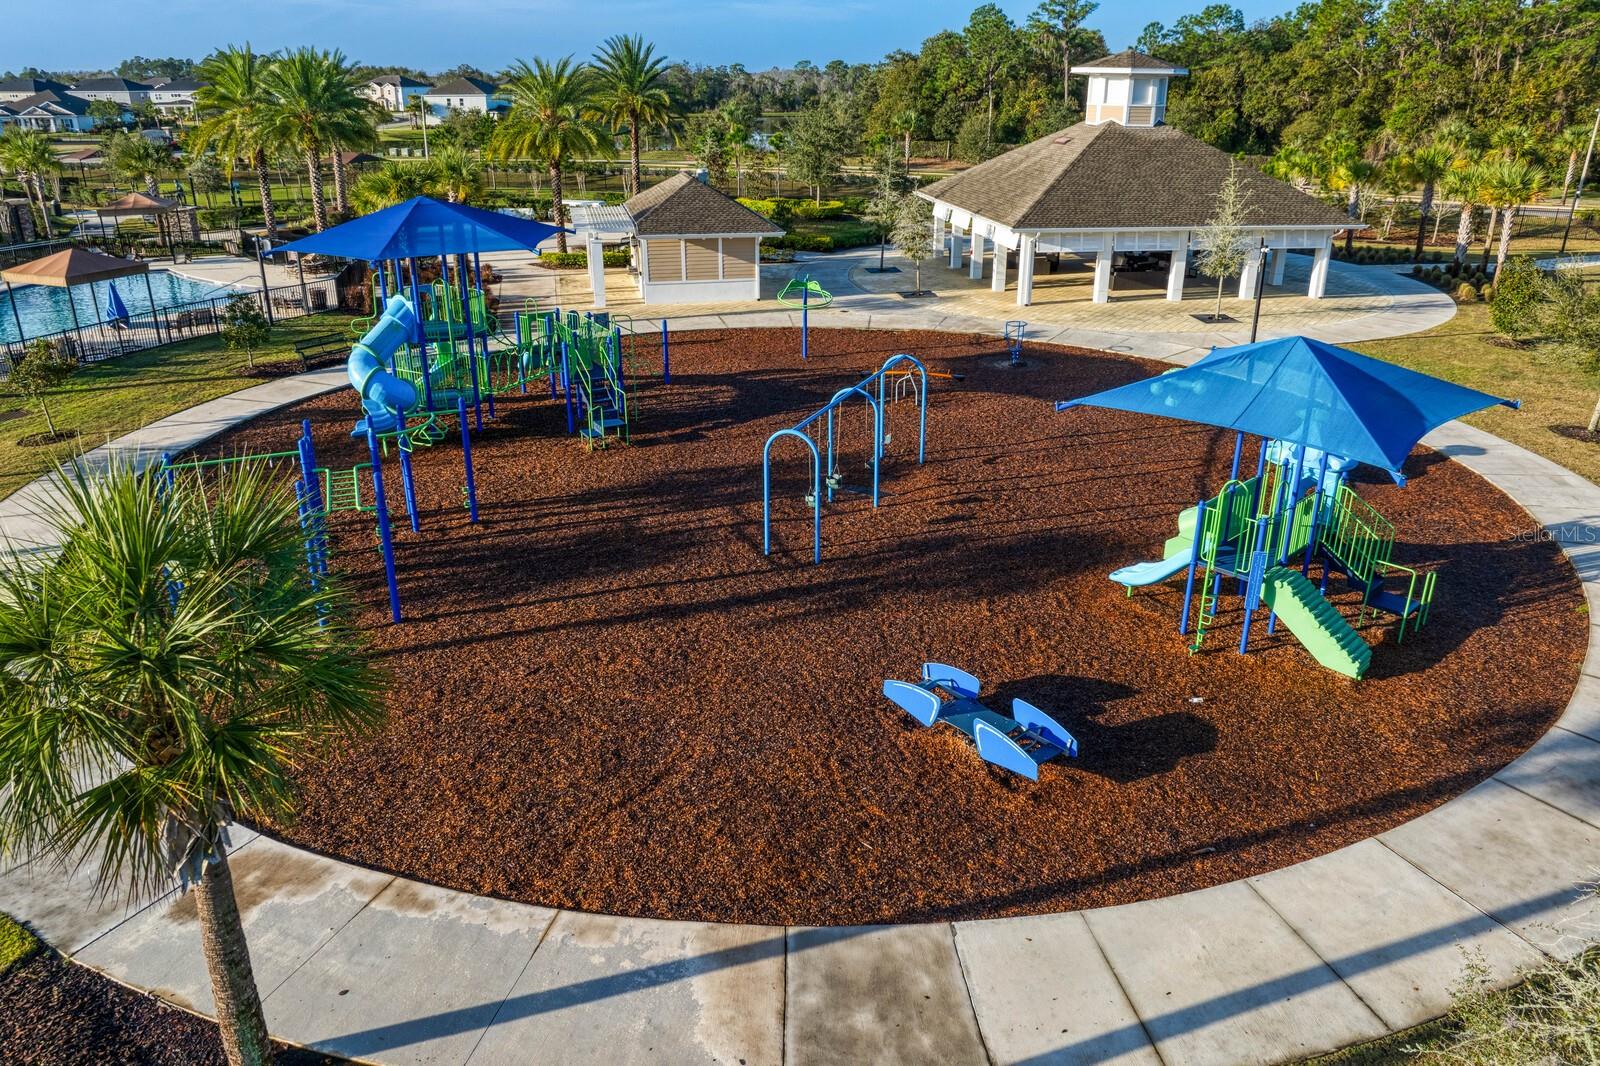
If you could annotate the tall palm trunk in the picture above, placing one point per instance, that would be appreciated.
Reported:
(1352, 208)
(1572, 172)
(269, 213)
(635, 174)
(341, 198)
(1422, 217)
(233, 984)
(1464, 232)
(152, 187)
(319, 209)
(33, 187)
(1505, 240)
(1488, 237)
(558, 210)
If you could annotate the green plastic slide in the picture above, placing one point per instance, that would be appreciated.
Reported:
(1315, 622)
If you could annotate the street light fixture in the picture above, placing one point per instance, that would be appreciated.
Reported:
(1584, 176)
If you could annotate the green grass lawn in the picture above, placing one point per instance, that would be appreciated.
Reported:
(1556, 393)
(16, 944)
(104, 400)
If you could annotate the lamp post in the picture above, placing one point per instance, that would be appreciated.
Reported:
(1261, 277)
(1582, 177)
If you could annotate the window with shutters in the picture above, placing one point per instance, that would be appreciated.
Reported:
(665, 259)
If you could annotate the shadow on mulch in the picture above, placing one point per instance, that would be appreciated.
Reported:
(606, 697)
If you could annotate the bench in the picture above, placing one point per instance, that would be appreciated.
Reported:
(325, 349)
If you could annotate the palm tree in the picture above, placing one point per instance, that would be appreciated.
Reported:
(168, 669)
(388, 184)
(554, 115)
(29, 155)
(137, 157)
(1428, 164)
(1464, 185)
(455, 173)
(1507, 185)
(1571, 142)
(632, 92)
(1342, 169)
(313, 106)
(230, 103)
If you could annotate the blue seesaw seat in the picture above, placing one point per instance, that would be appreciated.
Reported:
(1019, 743)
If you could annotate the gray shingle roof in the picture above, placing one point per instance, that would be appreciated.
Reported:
(50, 99)
(463, 87)
(112, 84)
(1130, 59)
(1113, 176)
(684, 206)
(31, 85)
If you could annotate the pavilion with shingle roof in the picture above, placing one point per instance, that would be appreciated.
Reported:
(691, 243)
(1121, 182)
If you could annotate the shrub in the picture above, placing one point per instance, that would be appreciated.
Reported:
(804, 242)
(1465, 293)
(1516, 294)
(779, 211)
(826, 209)
(43, 370)
(771, 254)
(244, 327)
(1416, 271)
(614, 257)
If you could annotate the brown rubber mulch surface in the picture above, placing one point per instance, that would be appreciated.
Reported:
(53, 1013)
(605, 698)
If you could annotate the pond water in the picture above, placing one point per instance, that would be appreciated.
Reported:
(45, 309)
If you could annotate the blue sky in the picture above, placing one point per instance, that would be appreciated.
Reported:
(431, 34)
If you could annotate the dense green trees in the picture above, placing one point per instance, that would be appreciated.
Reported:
(555, 117)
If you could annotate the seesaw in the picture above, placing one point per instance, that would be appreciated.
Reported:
(1019, 744)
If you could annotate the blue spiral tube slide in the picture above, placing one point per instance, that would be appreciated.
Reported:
(384, 397)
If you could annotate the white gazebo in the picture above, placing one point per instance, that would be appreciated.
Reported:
(689, 242)
(1120, 182)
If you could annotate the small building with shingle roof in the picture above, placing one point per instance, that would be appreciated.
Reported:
(690, 243)
(1120, 183)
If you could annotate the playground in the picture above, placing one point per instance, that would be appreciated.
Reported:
(605, 696)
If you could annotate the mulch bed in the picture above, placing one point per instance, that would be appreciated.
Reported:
(53, 1013)
(45, 437)
(604, 697)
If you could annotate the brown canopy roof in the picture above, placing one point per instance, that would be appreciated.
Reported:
(1129, 59)
(137, 203)
(1120, 177)
(683, 206)
(75, 266)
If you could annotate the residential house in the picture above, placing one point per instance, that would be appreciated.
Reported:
(465, 94)
(14, 89)
(174, 96)
(394, 91)
(124, 91)
(56, 112)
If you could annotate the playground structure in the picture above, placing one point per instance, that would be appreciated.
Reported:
(826, 473)
(1319, 411)
(803, 293)
(1021, 743)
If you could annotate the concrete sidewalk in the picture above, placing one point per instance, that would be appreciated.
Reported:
(1302, 960)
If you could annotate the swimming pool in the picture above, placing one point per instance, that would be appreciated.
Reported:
(44, 309)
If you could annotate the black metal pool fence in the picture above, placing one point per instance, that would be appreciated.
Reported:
(96, 341)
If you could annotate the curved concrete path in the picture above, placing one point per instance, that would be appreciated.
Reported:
(1312, 957)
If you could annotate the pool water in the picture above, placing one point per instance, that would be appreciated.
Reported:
(44, 309)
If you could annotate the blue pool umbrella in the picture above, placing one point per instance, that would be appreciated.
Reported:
(1306, 392)
(116, 310)
(420, 228)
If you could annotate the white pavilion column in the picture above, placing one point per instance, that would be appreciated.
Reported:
(955, 247)
(1319, 269)
(1025, 271)
(938, 232)
(975, 267)
(597, 270)
(1247, 276)
(997, 282)
(1102, 272)
(1277, 258)
(1180, 266)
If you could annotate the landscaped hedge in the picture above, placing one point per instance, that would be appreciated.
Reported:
(614, 257)
(803, 242)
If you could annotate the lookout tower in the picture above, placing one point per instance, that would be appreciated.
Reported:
(1128, 88)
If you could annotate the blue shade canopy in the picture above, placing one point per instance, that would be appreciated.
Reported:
(116, 310)
(423, 227)
(1307, 392)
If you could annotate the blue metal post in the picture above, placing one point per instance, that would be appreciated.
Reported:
(1316, 517)
(805, 320)
(407, 484)
(422, 337)
(551, 319)
(1194, 559)
(466, 458)
(566, 381)
(816, 493)
(666, 356)
(1252, 595)
(1238, 450)
(385, 536)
